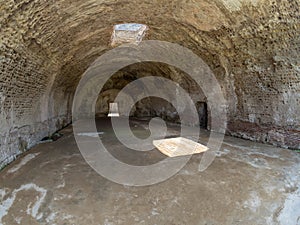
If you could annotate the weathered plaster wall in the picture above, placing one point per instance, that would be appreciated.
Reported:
(252, 46)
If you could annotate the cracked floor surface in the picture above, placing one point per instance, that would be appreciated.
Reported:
(248, 183)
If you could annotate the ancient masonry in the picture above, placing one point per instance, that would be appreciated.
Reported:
(251, 46)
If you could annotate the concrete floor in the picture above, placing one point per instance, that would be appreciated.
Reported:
(248, 183)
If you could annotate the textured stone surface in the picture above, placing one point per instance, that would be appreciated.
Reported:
(252, 46)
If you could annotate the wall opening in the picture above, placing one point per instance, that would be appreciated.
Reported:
(203, 114)
(128, 33)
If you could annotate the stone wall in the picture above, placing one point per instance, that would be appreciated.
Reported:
(252, 47)
(27, 113)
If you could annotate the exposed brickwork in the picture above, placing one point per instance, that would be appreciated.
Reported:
(288, 137)
(252, 47)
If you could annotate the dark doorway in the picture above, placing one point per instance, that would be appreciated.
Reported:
(202, 112)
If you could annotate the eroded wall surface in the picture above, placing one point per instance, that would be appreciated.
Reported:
(252, 46)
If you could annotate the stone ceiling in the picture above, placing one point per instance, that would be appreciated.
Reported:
(252, 46)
